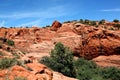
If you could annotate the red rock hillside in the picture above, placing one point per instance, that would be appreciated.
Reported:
(84, 40)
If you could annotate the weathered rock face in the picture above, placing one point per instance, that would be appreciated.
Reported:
(105, 61)
(25, 37)
(99, 42)
(35, 71)
(56, 25)
(3, 32)
(86, 41)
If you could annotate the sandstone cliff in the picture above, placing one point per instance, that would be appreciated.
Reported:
(84, 40)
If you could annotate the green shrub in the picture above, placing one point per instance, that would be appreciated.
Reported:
(7, 62)
(93, 23)
(61, 60)
(87, 21)
(47, 61)
(110, 73)
(101, 21)
(85, 70)
(116, 20)
(81, 21)
(111, 28)
(67, 22)
(97, 78)
(88, 70)
(10, 42)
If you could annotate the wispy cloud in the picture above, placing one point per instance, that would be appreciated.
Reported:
(39, 15)
(52, 12)
(111, 10)
(2, 23)
(34, 23)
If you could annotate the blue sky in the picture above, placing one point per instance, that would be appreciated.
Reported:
(17, 13)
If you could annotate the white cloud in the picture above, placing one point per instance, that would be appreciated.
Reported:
(34, 23)
(52, 12)
(111, 10)
(41, 15)
(2, 23)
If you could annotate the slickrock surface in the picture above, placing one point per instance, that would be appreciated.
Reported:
(84, 40)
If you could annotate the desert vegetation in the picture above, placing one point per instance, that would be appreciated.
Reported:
(6, 41)
(116, 20)
(7, 62)
(61, 60)
(10, 42)
(113, 25)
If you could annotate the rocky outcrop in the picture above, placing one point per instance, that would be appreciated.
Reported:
(84, 40)
(32, 71)
(56, 25)
(98, 44)
(108, 61)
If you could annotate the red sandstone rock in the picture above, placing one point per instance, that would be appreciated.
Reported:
(105, 61)
(56, 25)
(86, 41)
(99, 44)
(39, 72)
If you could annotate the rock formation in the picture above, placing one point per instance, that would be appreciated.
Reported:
(84, 40)
(33, 71)
(56, 25)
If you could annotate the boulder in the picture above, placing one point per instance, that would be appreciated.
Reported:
(32, 71)
(56, 25)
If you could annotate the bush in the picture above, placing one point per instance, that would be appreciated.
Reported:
(116, 20)
(7, 62)
(93, 23)
(88, 70)
(47, 61)
(111, 28)
(87, 21)
(81, 21)
(61, 60)
(101, 21)
(97, 78)
(85, 70)
(67, 22)
(10, 42)
(110, 73)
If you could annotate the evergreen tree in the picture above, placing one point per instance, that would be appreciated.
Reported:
(61, 60)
